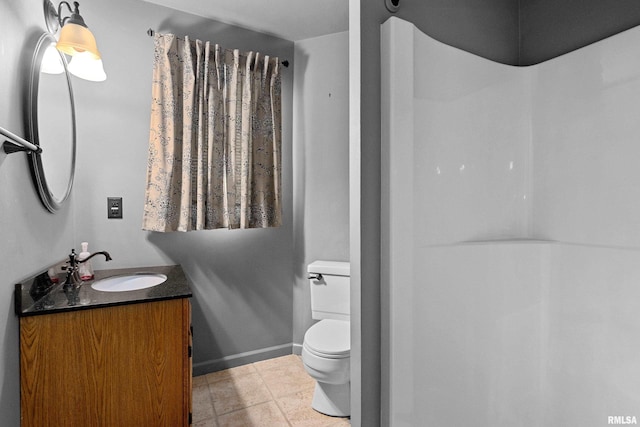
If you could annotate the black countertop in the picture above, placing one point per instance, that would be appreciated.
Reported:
(55, 299)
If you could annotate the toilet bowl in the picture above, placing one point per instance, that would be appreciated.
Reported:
(326, 357)
(326, 348)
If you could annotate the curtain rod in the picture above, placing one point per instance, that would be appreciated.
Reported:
(151, 32)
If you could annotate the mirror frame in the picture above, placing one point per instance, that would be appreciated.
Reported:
(51, 201)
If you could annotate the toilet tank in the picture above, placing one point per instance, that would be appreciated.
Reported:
(330, 293)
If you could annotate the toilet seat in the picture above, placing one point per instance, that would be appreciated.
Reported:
(329, 338)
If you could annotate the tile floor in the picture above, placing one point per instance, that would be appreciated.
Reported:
(271, 393)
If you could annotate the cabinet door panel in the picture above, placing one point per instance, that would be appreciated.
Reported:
(114, 366)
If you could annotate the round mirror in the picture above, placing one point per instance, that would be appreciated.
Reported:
(51, 123)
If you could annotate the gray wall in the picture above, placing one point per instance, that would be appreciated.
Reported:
(30, 237)
(550, 28)
(241, 279)
(320, 163)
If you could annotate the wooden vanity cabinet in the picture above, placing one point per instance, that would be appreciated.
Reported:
(124, 365)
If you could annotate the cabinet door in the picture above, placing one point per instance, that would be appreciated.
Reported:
(116, 366)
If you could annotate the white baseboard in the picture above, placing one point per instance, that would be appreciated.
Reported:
(297, 349)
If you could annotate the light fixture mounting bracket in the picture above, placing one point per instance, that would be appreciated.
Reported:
(51, 17)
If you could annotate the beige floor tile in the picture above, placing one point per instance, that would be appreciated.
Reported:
(344, 422)
(297, 409)
(235, 393)
(286, 379)
(199, 381)
(296, 401)
(270, 393)
(230, 373)
(263, 415)
(202, 405)
(290, 359)
(209, 422)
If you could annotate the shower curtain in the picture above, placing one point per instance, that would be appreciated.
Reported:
(215, 138)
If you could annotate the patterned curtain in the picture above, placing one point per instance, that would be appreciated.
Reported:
(214, 140)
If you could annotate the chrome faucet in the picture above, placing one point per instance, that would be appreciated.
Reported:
(73, 277)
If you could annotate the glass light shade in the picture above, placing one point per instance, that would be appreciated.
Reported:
(87, 67)
(75, 38)
(51, 61)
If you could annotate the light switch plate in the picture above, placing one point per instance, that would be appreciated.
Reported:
(114, 207)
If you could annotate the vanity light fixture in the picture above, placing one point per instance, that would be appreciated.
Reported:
(52, 61)
(76, 40)
(83, 65)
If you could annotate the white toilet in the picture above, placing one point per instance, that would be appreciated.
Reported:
(326, 349)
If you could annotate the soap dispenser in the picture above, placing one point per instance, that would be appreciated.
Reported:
(84, 268)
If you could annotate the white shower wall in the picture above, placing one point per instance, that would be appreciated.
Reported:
(586, 133)
(474, 181)
(511, 234)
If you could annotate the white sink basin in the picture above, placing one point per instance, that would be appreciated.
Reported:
(129, 282)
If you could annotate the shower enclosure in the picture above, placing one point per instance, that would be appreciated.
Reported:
(511, 234)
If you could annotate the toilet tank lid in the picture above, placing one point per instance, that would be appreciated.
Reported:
(336, 268)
